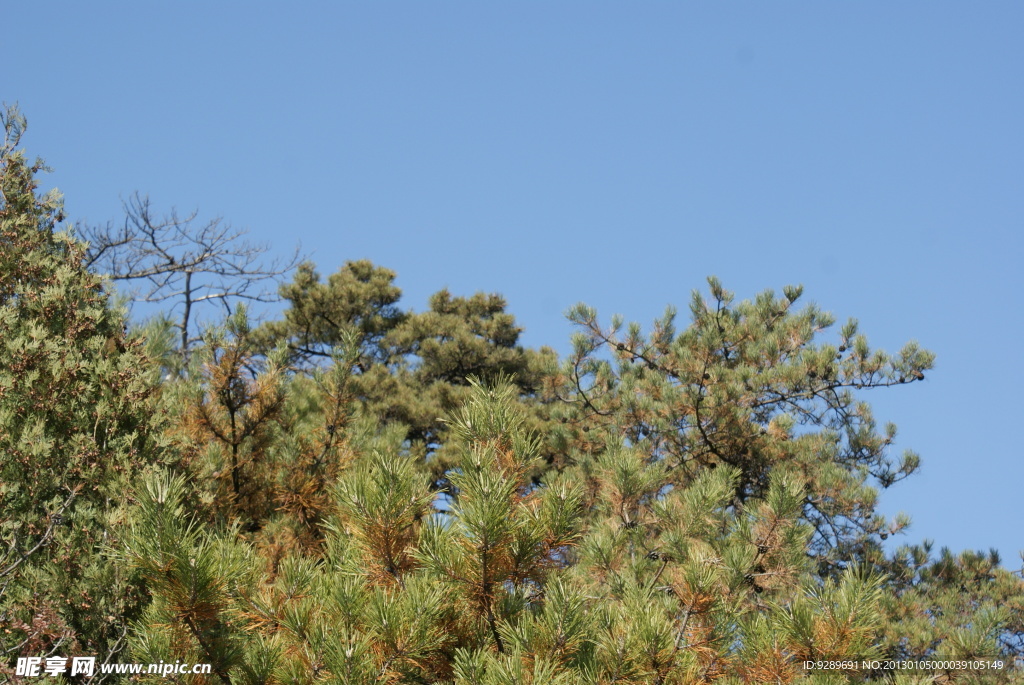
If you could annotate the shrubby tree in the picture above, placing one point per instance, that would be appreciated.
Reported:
(75, 430)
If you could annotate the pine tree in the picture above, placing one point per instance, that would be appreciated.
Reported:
(75, 417)
(957, 606)
(263, 447)
(703, 512)
(502, 537)
(411, 368)
(357, 302)
(746, 385)
(189, 573)
(615, 576)
(231, 412)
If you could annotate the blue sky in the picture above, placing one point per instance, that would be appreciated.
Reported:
(614, 153)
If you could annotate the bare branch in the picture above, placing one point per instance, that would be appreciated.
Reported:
(175, 258)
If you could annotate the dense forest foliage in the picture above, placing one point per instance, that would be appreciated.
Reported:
(356, 492)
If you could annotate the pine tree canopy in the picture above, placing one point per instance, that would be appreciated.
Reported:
(356, 492)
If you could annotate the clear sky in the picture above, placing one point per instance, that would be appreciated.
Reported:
(610, 152)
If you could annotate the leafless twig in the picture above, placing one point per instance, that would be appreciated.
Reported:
(180, 260)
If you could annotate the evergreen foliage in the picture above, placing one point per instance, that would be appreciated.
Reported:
(358, 493)
(359, 300)
(606, 572)
(957, 604)
(746, 385)
(411, 368)
(75, 428)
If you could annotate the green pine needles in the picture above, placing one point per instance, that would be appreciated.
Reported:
(356, 493)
